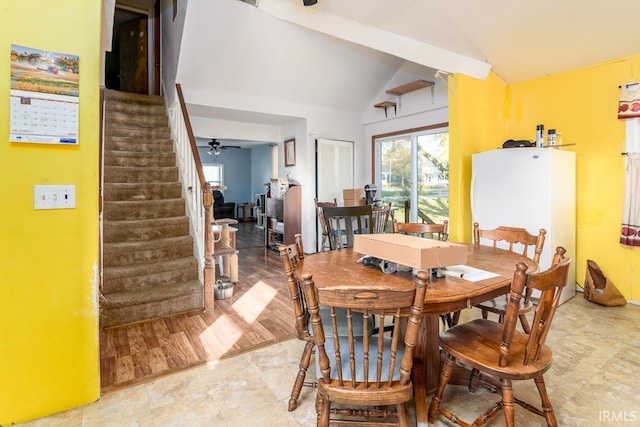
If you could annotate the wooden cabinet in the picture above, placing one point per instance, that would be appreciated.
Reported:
(283, 218)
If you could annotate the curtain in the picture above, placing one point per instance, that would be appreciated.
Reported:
(630, 231)
(629, 103)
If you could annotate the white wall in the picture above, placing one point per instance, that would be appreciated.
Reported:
(419, 108)
(171, 31)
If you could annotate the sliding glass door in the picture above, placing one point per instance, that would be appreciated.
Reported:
(412, 172)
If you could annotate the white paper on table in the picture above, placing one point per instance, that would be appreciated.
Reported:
(470, 273)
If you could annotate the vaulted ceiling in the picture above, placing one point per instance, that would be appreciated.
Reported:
(339, 54)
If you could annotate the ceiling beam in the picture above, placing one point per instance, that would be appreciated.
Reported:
(383, 41)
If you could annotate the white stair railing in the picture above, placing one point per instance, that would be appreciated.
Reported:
(196, 192)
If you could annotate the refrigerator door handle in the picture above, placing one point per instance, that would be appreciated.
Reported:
(473, 199)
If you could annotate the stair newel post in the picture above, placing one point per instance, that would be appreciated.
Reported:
(209, 271)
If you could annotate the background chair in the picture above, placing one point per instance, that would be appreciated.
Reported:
(422, 229)
(291, 256)
(429, 231)
(381, 218)
(345, 221)
(531, 248)
(504, 353)
(364, 373)
(323, 223)
(222, 209)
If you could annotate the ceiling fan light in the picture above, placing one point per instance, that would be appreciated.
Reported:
(309, 2)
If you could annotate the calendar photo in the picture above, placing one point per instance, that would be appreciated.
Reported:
(44, 96)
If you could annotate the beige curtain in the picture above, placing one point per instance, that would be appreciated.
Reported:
(630, 231)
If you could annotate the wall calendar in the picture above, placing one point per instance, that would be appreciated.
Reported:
(44, 96)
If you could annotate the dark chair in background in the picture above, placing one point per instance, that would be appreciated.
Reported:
(504, 353)
(345, 221)
(323, 224)
(222, 209)
(381, 218)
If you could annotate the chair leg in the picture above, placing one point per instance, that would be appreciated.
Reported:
(323, 406)
(547, 408)
(445, 375)
(455, 318)
(402, 415)
(508, 402)
(302, 373)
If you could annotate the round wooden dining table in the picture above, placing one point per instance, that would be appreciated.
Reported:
(444, 295)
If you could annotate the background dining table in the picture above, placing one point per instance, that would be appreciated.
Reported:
(444, 295)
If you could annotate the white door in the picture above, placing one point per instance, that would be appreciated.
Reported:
(334, 172)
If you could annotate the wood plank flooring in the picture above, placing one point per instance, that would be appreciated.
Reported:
(258, 314)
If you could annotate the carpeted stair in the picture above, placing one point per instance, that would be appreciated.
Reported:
(149, 269)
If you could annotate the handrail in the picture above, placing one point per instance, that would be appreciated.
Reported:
(197, 192)
(191, 138)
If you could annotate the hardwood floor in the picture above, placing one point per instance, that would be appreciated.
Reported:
(258, 314)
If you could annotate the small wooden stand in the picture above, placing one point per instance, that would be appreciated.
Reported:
(225, 249)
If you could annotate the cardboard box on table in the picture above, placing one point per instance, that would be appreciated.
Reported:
(410, 251)
(354, 197)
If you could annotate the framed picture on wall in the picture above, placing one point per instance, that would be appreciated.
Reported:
(290, 152)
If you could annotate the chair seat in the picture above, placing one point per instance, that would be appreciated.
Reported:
(474, 343)
(359, 360)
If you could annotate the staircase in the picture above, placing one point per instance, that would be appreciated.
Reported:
(149, 267)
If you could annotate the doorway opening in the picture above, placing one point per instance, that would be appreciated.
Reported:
(134, 46)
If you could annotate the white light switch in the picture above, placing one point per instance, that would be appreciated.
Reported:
(54, 196)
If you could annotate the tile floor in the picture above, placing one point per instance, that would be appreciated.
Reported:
(593, 382)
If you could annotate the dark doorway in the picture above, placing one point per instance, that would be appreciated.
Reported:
(127, 65)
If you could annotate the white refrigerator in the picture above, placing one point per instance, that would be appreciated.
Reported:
(532, 188)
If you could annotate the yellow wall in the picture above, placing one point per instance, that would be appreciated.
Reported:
(476, 123)
(582, 106)
(49, 358)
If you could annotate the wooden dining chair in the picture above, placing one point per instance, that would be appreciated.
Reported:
(359, 376)
(428, 231)
(504, 353)
(345, 221)
(323, 224)
(422, 229)
(291, 256)
(519, 240)
(381, 218)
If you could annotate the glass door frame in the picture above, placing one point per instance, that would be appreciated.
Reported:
(413, 135)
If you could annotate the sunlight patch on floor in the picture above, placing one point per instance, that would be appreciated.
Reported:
(254, 301)
(223, 333)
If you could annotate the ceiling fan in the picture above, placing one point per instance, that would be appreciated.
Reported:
(216, 146)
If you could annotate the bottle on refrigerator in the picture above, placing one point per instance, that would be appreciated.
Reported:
(551, 138)
(540, 136)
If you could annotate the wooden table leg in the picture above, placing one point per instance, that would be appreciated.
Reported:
(427, 365)
(419, 394)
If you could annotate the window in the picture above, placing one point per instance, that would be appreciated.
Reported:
(412, 172)
(214, 173)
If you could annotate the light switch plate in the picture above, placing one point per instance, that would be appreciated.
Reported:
(54, 196)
